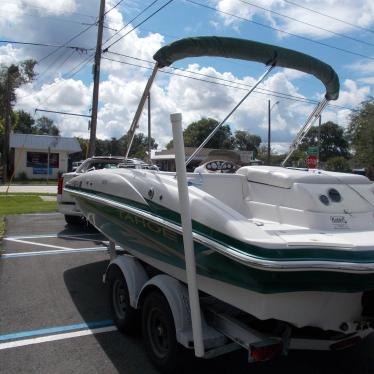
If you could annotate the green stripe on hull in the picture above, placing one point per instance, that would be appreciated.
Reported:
(144, 236)
(288, 254)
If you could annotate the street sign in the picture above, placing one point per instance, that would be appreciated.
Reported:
(311, 161)
(313, 150)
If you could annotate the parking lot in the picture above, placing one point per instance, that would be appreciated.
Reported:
(55, 317)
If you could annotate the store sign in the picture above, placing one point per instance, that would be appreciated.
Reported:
(42, 171)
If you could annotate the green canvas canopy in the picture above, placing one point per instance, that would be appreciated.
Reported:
(253, 51)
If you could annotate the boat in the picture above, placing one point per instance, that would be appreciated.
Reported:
(293, 245)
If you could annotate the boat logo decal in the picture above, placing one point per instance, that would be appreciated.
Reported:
(339, 222)
(148, 225)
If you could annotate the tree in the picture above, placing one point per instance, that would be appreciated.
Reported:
(361, 134)
(333, 141)
(197, 132)
(244, 141)
(139, 148)
(338, 163)
(11, 78)
(45, 126)
(22, 122)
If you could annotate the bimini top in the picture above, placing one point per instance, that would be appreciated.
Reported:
(253, 51)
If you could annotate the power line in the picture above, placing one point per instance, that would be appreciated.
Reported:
(139, 24)
(280, 30)
(308, 24)
(76, 48)
(132, 20)
(267, 92)
(299, 98)
(213, 77)
(58, 112)
(328, 16)
(113, 7)
(55, 61)
(72, 73)
(66, 43)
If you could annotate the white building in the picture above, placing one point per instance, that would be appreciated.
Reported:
(33, 155)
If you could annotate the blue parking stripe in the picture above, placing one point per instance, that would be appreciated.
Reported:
(52, 330)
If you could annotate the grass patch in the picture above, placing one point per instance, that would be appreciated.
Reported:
(22, 204)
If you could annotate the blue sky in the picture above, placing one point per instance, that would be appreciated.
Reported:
(58, 89)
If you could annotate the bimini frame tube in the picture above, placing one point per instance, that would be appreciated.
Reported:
(305, 129)
(139, 110)
(189, 252)
(263, 76)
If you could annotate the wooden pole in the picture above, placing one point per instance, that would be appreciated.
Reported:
(96, 72)
(149, 129)
(6, 131)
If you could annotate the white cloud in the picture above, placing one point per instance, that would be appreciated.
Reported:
(360, 11)
(122, 85)
(351, 94)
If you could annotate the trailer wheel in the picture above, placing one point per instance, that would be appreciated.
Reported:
(124, 315)
(159, 334)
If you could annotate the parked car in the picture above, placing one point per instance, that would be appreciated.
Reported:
(66, 203)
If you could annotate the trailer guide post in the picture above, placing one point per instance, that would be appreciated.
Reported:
(176, 120)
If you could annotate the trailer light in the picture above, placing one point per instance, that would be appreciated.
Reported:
(60, 183)
(265, 352)
(345, 343)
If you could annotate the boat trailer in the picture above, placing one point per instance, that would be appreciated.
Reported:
(175, 313)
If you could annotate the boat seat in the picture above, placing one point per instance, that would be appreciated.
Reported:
(285, 178)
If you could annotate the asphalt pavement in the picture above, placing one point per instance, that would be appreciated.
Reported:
(55, 317)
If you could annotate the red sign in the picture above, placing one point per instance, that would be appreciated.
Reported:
(311, 162)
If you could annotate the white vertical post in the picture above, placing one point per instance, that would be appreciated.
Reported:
(189, 253)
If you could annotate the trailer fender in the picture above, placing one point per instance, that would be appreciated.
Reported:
(176, 294)
(134, 273)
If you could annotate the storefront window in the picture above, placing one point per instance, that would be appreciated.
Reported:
(39, 162)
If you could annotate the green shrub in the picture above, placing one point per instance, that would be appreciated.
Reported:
(22, 176)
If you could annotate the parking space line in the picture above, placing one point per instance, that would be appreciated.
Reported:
(37, 244)
(55, 337)
(52, 252)
(49, 236)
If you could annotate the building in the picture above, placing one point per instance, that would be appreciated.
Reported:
(165, 159)
(32, 155)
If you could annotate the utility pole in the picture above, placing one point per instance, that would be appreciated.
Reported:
(319, 140)
(269, 128)
(149, 128)
(96, 73)
(6, 130)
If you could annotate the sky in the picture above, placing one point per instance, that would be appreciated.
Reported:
(338, 32)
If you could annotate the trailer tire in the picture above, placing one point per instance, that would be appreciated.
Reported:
(124, 315)
(159, 335)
